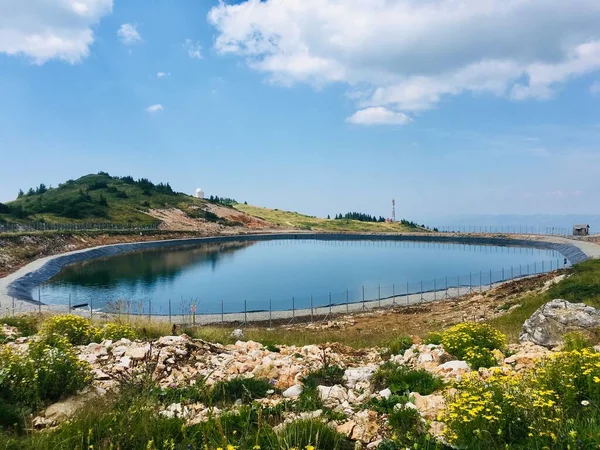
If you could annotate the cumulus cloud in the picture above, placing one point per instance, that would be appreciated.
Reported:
(43, 30)
(194, 49)
(129, 34)
(410, 54)
(154, 108)
(163, 74)
(378, 115)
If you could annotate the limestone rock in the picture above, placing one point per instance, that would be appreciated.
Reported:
(551, 321)
(293, 392)
(356, 375)
(428, 405)
(332, 395)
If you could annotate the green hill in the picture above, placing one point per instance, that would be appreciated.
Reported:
(296, 220)
(100, 198)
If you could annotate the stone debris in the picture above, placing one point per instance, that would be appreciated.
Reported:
(181, 361)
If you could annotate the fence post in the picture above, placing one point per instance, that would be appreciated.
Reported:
(170, 321)
(393, 294)
(363, 297)
(421, 299)
(245, 313)
(330, 303)
(69, 303)
(91, 308)
(223, 313)
(347, 302)
(270, 315)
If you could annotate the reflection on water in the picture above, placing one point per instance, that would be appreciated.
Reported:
(145, 268)
(302, 273)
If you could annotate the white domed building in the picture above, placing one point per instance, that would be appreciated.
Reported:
(199, 193)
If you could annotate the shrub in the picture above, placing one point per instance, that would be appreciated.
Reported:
(400, 345)
(116, 331)
(244, 389)
(434, 338)
(460, 338)
(403, 380)
(27, 325)
(59, 372)
(77, 330)
(44, 374)
(328, 375)
(17, 378)
(479, 357)
(310, 433)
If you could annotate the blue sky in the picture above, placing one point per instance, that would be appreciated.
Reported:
(316, 106)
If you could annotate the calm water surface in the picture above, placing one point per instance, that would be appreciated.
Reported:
(212, 275)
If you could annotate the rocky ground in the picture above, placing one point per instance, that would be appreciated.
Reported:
(181, 361)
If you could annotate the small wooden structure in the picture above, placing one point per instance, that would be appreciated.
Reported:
(581, 230)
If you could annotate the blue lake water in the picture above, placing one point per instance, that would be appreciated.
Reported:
(231, 276)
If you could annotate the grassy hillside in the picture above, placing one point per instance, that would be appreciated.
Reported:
(296, 220)
(99, 198)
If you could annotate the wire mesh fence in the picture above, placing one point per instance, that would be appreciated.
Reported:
(302, 308)
(75, 226)
(506, 229)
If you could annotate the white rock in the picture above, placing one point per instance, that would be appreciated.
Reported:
(293, 392)
(358, 374)
(332, 394)
(386, 393)
(237, 333)
(454, 366)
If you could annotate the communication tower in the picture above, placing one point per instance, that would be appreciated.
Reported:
(393, 210)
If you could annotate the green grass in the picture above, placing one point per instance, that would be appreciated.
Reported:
(304, 222)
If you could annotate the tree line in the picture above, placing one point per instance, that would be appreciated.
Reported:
(362, 217)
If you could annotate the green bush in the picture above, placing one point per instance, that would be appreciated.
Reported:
(44, 374)
(400, 345)
(115, 331)
(77, 330)
(302, 434)
(434, 338)
(479, 357)
(328, 375)
(27, 325)
(402, 380)
(458, 339)
(244, 389)
(59, 372)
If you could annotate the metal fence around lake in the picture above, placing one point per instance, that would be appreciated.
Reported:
(75, 226)
(302, 308)
(507, 229)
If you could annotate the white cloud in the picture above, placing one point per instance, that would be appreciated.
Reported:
(43, 30)
(129, 34)
(410, 54)
(378, 115)
(163, 74)
(595, 88)
(194, 49)
(154, 108)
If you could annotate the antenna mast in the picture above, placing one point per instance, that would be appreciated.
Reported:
(393, 210)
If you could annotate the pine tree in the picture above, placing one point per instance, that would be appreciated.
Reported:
(328, 217)
(20, 194)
